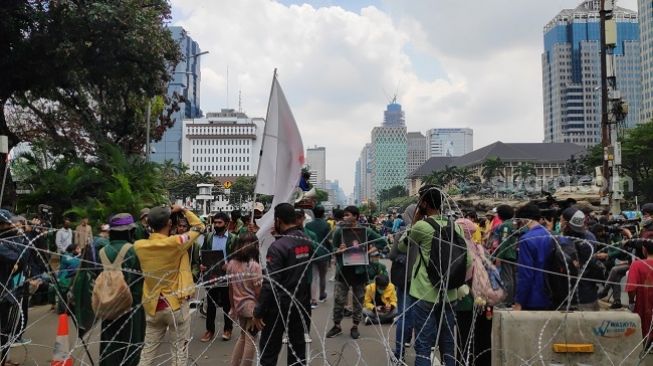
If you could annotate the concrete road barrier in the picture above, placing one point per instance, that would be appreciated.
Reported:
(566, 338)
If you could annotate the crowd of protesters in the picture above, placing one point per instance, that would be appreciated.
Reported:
(546, 256)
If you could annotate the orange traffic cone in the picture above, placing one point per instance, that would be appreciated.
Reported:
(61, 354)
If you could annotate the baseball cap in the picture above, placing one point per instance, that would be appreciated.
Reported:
(5, 216)
(575, 218)
(159, 214)
(259, 206)
(121, 222)
(144, 212)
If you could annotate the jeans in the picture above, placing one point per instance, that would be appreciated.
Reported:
(404, 331)
(614, 281)
(434, 322)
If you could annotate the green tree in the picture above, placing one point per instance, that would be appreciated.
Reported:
(492, 167)
(524, 171)
(392, 192)
(322, 196)
(77, 75)
(637, 160)
(112, 183)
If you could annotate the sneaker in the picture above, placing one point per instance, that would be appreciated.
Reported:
(334, 331)
(314, 305)
(226, 335)
(407, 345)
(354, 332)
(323, 298)
(207, 337)
(616, 305)
(21, 342)
(368, 321)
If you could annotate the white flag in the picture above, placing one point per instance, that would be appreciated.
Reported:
(281, 161)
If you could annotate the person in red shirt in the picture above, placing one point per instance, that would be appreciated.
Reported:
(640, 290)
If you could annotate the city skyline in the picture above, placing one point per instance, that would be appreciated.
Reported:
(356, 56)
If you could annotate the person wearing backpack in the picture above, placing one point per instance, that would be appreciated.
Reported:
(506, 253)
(442, 249)
(535, 248)
(122, 337)
(589, 270)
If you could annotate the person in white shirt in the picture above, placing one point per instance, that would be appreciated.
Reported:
(64, 237)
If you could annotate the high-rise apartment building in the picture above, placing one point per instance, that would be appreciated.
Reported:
(224, 144)
(389, 150)
(571, 72)
(646, 46)
(417, 151)
(449, 141)
(316, 162)
(185, 82)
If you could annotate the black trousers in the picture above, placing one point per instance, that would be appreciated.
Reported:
(218, 296)
(295, 322)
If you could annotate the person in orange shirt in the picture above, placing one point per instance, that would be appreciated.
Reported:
(168, 283)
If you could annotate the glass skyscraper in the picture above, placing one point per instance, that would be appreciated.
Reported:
(646, 43)
(389, 151)
(185, 82)
(571, 72)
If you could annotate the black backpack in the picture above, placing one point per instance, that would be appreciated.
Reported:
(448, 255)
(564, 265)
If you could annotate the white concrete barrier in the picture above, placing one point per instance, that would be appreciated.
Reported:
(561, 338)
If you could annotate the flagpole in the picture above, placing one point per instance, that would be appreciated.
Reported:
(260, 153)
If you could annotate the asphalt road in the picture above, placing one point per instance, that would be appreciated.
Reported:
(372, 348)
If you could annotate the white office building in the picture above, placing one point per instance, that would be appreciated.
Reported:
(450, 141)
(316, 162)
(224, 144)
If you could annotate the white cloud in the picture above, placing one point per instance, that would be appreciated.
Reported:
(337, 67)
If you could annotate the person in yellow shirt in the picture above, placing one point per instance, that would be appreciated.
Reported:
(477, 235)
(168, 283)
(380, 304)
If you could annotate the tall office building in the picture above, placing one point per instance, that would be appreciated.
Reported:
(185, 82)
(417, 151)
(646, 45)
(571, 72)
(389, 150)
(316, 161)
(449, 141)
(224, 144)
(363, 183)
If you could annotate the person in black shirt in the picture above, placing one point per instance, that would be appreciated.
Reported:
(284, 302)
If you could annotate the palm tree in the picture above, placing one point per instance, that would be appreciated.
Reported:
(492, 167)
(464, 175)
(182, 168)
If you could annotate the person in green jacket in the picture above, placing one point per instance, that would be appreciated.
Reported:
(142, 229)
(122, 338)
(322, 255)
(354, 277)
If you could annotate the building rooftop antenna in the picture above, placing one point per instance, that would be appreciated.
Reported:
(240, 101)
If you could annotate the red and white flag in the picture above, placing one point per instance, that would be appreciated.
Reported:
(281, 160)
